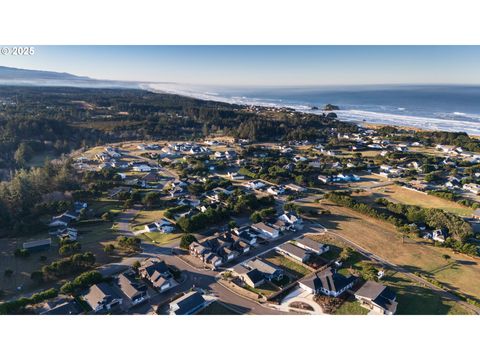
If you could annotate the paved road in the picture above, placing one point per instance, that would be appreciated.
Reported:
(124, 220)
(398, 268)
(201, 278)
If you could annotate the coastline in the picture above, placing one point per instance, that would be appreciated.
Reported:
(365, 118)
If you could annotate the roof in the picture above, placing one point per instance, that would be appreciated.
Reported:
(378, 294)
(291, 249)
(129, 287)
(98, 294)
(254, 275)
(263, 266)
(240, 269)
(65, 308)
(310, 244)
(264, 227)
(35, 243)
(188, 302)
(328, 280)
(150, 266)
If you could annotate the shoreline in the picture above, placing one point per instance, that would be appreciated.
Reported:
(437, 124)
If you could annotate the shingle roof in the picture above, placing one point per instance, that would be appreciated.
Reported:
(293, 250)
(254, 275)
(188, 302)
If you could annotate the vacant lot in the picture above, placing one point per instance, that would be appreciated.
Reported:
(402, 195)
(415, 255)
(159, 238)
(146, 217)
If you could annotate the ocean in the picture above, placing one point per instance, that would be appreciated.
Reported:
(431, 107)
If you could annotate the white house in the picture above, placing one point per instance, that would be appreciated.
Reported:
(142, 168)
(255, 184)
(266, 231)
(327, 282)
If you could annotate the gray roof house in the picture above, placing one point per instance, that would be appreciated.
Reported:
(102, 297)
(378, 298)
(188, 304)
(327, 282)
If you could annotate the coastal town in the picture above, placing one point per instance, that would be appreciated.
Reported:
(364, 222)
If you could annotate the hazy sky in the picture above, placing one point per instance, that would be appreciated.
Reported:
(262, 65)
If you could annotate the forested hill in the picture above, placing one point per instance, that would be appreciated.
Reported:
(60, 119)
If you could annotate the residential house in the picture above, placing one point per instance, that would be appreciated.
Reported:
(291, 219)
(101, 297)
(294, 252)
(378, 298)
(265, 231)
(188, 304)
(295, 188)
(269, 271)
(157, 273)
(135, 291)
(472, 187)
(37, 245)
(327, 282)
(312, 246)
(255, 185)
(253, 278)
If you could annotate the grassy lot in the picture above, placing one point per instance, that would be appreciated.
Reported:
(216, 308)
(159, 238)
(145, 217)
(351, 307)
(402, 195)
(266, 289)
(414, 255)
(414, 299)
(288, 265)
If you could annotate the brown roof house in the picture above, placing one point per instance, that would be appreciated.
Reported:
(101, 297)
(157, 273)
(135, 291)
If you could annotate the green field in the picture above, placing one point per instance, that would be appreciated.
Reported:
(351, 307)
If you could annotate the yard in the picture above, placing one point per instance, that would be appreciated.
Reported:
(414, 255)
(290, 266)
(351, 307)
(160, 238)
(146, 217)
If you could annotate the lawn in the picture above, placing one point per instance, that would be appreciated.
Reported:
(414, 299)
(266, 289)
(146, 217)
(288, 265)
(351, 307)
(160, 238)
(415, 255)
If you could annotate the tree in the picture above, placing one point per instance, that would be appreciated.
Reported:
(446, 257)
(37, 276)
(186, 240)
(109, 248)
(346, 253)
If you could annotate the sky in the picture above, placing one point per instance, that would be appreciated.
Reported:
(262, 65)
